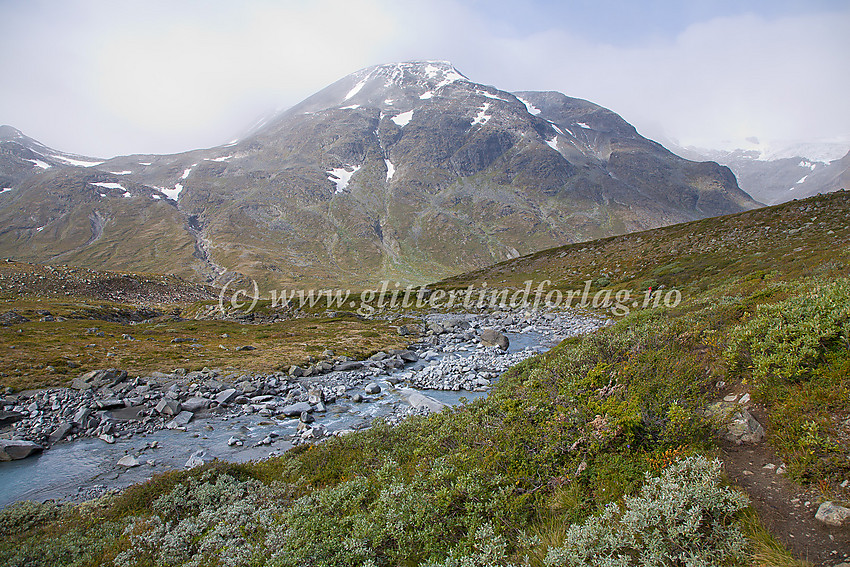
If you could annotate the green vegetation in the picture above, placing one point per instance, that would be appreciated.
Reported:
(595, 453)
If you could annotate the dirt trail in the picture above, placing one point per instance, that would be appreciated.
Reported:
(787, 509)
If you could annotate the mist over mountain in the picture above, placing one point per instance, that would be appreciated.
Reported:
(407, 171)
(777, 173)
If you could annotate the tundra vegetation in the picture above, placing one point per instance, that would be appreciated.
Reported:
(598, 452)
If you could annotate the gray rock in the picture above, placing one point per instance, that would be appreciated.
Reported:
(98, 378)
(195, 404)
(350, 365)
(107, 438)
(226, 396)
(196, 460)
(234, 442)
(181, 420)
(60, 433)
(421, 401)
(128, 461)
(82, 415)
(296, 409)
(832, 514)
(13, 449)
(492, 337)
(168, 407)
(408, 356)
(372, 388)
(306, 417)
(315, 396)
(356, 398)
(296, 371)
(10, 417)
(736, 424)
(110, 403)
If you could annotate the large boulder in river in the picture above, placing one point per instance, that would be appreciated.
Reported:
(13, 449)
(492, 337)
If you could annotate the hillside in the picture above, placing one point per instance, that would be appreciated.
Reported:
(599, 451)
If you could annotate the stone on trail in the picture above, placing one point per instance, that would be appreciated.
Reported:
(196, 460)
(832, 514)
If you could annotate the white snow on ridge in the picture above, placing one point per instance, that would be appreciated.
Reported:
(491, 95)
(144, 163)
(356, 89)
(125, 172)
(583, 125)
(156, 197)
(482, 116)
(109, 185)
(351, 107)
(553, 143)
(533, 110)
(39, 163)
(173, 193)
(5, 190)
(403, 119)
(187, 171)
(127, 194)
(426, 95)
(390, 169)
(558, 129)
(77, 162)
(807, 163)
(802, 180)
(341, 176)
(222, 158)
(39, 229)
(389, 101)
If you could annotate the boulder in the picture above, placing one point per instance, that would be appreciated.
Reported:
(10, 417)
(832, 514)
(60, 433)
(13, 449)
(196, 459)
(315, 396)
(226, 396)
(99, 378)
(492, 337)
(181, 420)
(420, 401)
(372, 388)
(128, 461)
(736, 424)
(296, 409)
(350, 365)
(195, 404)
(168, 407)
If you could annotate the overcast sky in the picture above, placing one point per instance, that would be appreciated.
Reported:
(104, 78)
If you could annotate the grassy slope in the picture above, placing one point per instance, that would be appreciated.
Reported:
(561, 437)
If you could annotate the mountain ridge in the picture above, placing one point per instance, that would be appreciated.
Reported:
(400, 171)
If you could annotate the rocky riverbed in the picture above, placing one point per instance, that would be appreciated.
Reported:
(459, 354)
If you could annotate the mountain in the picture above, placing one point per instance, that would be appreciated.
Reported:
(405, 171)
(773, 175)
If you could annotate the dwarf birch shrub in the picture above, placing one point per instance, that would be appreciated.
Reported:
(682, 518)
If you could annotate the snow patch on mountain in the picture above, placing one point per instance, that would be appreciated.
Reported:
(533, 110)
(491, 95)
(109, 185)
(219, 159)
(126, 172)
(390, 169)
(77, 162)
(5, 190)
(426, 95)
(356, 88)
(553, 143)
(341, 176)
(583, 125)
(403, 119)
(482, 117)
(349, 107)
(39, 163)
(187, 171)
(173, 194)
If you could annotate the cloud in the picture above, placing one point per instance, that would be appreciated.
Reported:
(106, 78)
